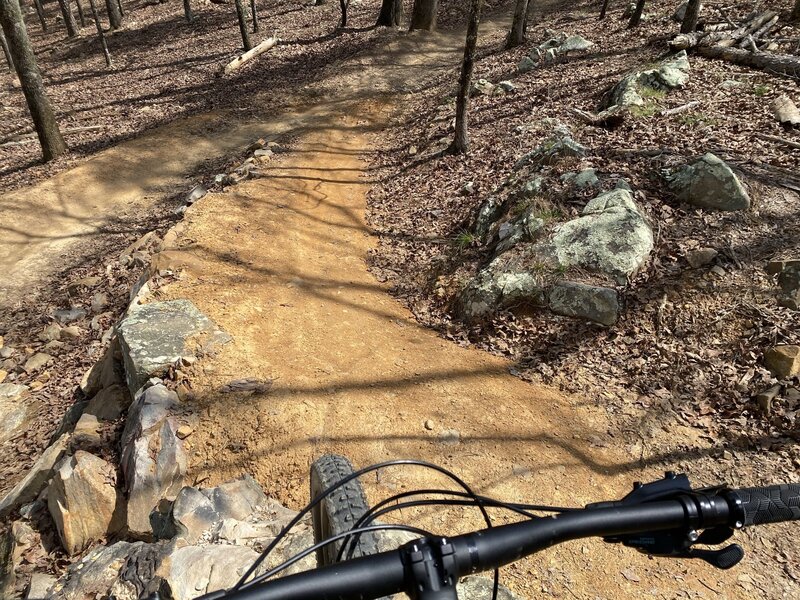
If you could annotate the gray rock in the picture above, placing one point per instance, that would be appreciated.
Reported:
(109, 403)
(611, 238)
(475, 587)
(495, 288)
(196, 193)
(789, 281)
(559, 145)
(526, 64)
(99, 302)
(701, 257)
(193, 514)
(488, 213)
(482, 87)
(68, 315)
(39, 587)
(50, 333)
(37, 362)
(192, 571)
(507, 86)
(526, 227)
(533, 187)
(583, 179)
(237, 499)
(574, 43)
(155, 336)
(710, 183)
(13, 408)
(36, 479)
(8, 577)
(598, 304)
(153, 459)
(82, 499)
(669, 74)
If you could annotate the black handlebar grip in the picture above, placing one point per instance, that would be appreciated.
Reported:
(771, 504)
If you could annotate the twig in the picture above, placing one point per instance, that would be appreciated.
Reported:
(780, 140)
(680, 109)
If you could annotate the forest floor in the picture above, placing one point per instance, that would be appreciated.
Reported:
(279, 262)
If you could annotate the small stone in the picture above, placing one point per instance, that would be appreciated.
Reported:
(783, 361)
(6, 352)
(183, 432)
(99, 302)
(37, 361)
(718, 271)
(73, 332)
(36, 386)
(68, 315)
(50, 333)
(730, 84)
(54, 346)
(526, 64)
(429, 425)
(575, 43)
(450, 437)
(468, 189)
(507, 86)
(263, 154)
(86, 435)
(412, 150)
(195, 194)
(483, 87)
(701, 257)
(766, 397)
(86, 282)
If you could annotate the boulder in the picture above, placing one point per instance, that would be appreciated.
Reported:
(109, 403)
(506, 87)
(192, 571)
(559, 144)
(13, 407)
(82, 499)
(35, 481)
(153, 460)
(495, 288)
(701, 257)
(709, 183)
(611, 238)
(667, 75)
(482, 87)
(574, 43)
(155, 336)
(783, 361)
(525, 227)
(488, 213)
(8, 578)
(526, 64)
(595, 303)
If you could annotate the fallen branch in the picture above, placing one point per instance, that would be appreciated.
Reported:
(611, 117)
(680, 109)
(261, 48)
(780, 140)
(783, 64)
(17, 140)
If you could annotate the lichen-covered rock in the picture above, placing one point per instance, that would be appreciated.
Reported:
(710, 183)
(611, 238)
(559, 144)
(526, 64)
(482, 87)
(789, 281)
(596, 303)
(155, 336)
(495, 288)
(525, 227)
(36, 479)
(581, 180)
(83, 500)
(488, 213)
(153, 459)
(574, 43)
(669, 74)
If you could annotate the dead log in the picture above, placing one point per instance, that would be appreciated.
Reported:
(261, 48)
(783, 64)
(785, 111)
(775, 138)
(761, 31)
(609, 118)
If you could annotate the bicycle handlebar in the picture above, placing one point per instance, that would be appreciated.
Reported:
(771, 504)
(387, 573)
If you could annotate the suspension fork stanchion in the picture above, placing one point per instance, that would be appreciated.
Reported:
(430, 569)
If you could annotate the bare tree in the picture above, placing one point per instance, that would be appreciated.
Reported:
(187, 10)
(114, 14)
(255, 16)
(81, 16)
(603, 10)
(44, 120)
(7, 53)
(689, 23)
(40, 12)
(344, 4)
(69, 18)
(636, 17)
(241, 14)
(424, 14)
(516, 36)
(391, 14)
(460, 143)
(100, 33)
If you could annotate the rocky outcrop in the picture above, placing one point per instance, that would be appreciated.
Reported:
(83, 500)
(709, 183)
(35, 481)
(547, 51)
(633, 88)
(155, 336)
(153, 459)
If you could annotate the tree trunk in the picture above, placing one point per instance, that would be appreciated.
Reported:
(40, 12)
(343, 4)
(81, 16)
(100, 33)
(603, 10)
(796, 12)
(187, 10)
(7, 53)
(255, 16)
(785, 64)
(516, 36)
(636, 17)
(689, 23)
(114, 15)
(460, 143)
(31, 80)
(69, 18)
(391, 14)
(242, 16)
(424, 14)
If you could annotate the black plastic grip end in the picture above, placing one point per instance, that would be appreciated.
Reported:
(771, 504)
